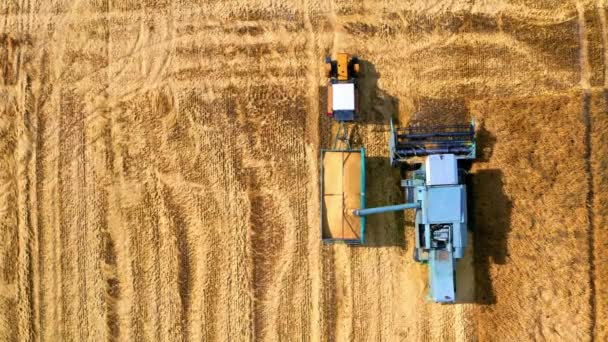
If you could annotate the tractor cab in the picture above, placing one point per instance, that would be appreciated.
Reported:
(342, 87)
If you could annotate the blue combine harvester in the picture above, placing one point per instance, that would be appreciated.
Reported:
(436, 189)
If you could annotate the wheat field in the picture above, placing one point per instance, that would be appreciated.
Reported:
(159, 169)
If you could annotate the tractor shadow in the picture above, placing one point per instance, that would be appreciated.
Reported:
(376, 106)
(485, 144)
(489, 217)
(490, 222)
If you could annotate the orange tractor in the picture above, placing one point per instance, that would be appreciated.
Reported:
(342, 94)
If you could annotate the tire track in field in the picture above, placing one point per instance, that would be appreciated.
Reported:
(180, 230)
(367, 295)
(601, 10)
(219, 300)
(71, 222)
(154, 315)
(46, 214)
(342, 323)
(8, 224)
(86, 208)
(79, 215)
(27, 229)
(101, 130)
(9, 233)
(56, 219)
(120, 230)
(271, 138)
(337, 300)
(145, 244)
(19, 125)
(279, 229)
(201, 252)
(169, 286)
(312, 135)
(241, 304)
(35, 178)
(98, 256)
(599, 141)
(153, 280)
(184, 271)
(172, 291)
(587, 155)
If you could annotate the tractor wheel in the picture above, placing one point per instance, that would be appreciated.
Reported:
(356, 69)
(331, 69)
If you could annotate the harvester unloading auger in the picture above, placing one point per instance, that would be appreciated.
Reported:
(436, 191)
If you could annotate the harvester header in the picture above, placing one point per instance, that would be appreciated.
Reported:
(419, 140)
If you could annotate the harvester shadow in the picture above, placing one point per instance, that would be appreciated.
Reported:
(382, 189)
(605, 96)
(490, 221)
(377, 107)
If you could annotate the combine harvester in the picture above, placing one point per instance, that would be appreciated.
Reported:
(436, 190)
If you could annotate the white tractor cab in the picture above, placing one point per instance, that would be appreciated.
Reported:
(342, 87)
